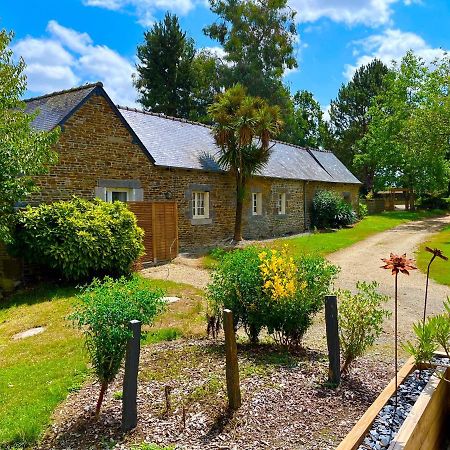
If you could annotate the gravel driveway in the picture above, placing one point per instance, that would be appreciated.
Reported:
(362, 261)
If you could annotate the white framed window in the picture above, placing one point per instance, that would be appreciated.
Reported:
(281, 203)
(200, 205)
(117, 194)
(256, 203)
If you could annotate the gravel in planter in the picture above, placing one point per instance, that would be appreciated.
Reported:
(388, 422)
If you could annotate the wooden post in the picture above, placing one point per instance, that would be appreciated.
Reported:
(129, 397)
(332, 327)
(232, 369)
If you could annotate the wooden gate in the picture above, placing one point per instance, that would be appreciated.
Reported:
(159, 220)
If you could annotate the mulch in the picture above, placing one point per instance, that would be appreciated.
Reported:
(287, 403)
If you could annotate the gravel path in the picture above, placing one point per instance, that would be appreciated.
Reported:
(181, 270)
(362, 261)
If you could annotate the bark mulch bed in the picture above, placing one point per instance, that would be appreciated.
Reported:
(286, 402)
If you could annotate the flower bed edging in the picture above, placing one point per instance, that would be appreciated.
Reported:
(353, 439)
(423, 427)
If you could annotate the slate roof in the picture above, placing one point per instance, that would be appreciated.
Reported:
(55, 108)
(173, 142)
(183, 144)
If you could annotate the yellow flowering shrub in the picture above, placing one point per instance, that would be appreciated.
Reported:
(279, 274)
(267, 288)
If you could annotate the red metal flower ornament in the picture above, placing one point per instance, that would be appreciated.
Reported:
(437, 253)
(398, 263)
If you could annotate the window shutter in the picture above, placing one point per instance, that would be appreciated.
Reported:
(207, 205)
(100, 192)
(137, 195)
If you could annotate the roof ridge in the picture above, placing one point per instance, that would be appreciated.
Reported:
(163, 116)
(66, 91)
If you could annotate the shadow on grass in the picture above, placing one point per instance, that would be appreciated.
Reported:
(40, 293)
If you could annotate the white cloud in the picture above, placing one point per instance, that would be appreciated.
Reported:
(391, 45)
(72, 39)
(351, 12)
(326, 112)
(68, 58)
(145, 9)
(218, 51)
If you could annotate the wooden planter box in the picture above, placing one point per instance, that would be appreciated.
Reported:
(425, 426)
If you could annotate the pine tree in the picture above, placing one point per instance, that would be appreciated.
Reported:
(165, 76)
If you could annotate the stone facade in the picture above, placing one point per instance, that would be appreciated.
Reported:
(96, 148)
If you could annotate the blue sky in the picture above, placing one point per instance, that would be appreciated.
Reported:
(70, 42)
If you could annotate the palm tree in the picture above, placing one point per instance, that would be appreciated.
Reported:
(243, 128)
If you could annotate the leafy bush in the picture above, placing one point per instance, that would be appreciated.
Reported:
(267, 289)
(434, 201)
(106, 309)
(424, 346)
(435, 333)
(441, 331)
(237, 285)
(363, 210)
(294, 293)
(79, 238)
(330, 210)
(360, 320)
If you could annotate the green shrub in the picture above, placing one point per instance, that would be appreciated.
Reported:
(267, 289)
(237, 285)
(106, 309)
(434, 201)
(330, 210)
(289, 316)
(79, 238)
(363, 210)
(422, 350)
(361, 319)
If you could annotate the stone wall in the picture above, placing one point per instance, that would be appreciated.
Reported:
(95, 145)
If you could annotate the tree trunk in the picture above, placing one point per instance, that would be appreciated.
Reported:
(103, 389)
(239, 208)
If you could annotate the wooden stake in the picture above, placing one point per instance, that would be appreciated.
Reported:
(332, 327)
(232, 369)
(129, 398)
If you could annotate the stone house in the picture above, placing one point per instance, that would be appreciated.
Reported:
(119, 153)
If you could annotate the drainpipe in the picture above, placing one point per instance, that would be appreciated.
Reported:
(305, 224)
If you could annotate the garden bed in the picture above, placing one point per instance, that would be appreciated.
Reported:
(286, 404)
(421, 416)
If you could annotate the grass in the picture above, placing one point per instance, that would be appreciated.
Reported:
(329, 242)
(440, 269)
(323, 243)
(37, 373)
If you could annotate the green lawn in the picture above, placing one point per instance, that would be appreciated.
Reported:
(329, 242)
(324, 243)
(440, 270)
(38, 372)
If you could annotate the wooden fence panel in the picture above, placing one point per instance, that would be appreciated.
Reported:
(159, 221)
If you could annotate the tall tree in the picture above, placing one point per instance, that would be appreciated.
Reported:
(165, 77)
(304, 124)
(207, 71)
(408, 137)
(258, 37)
(24, 152)
(243, 128)
(349, 119)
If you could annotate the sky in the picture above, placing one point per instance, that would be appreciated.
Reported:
(66, 43)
